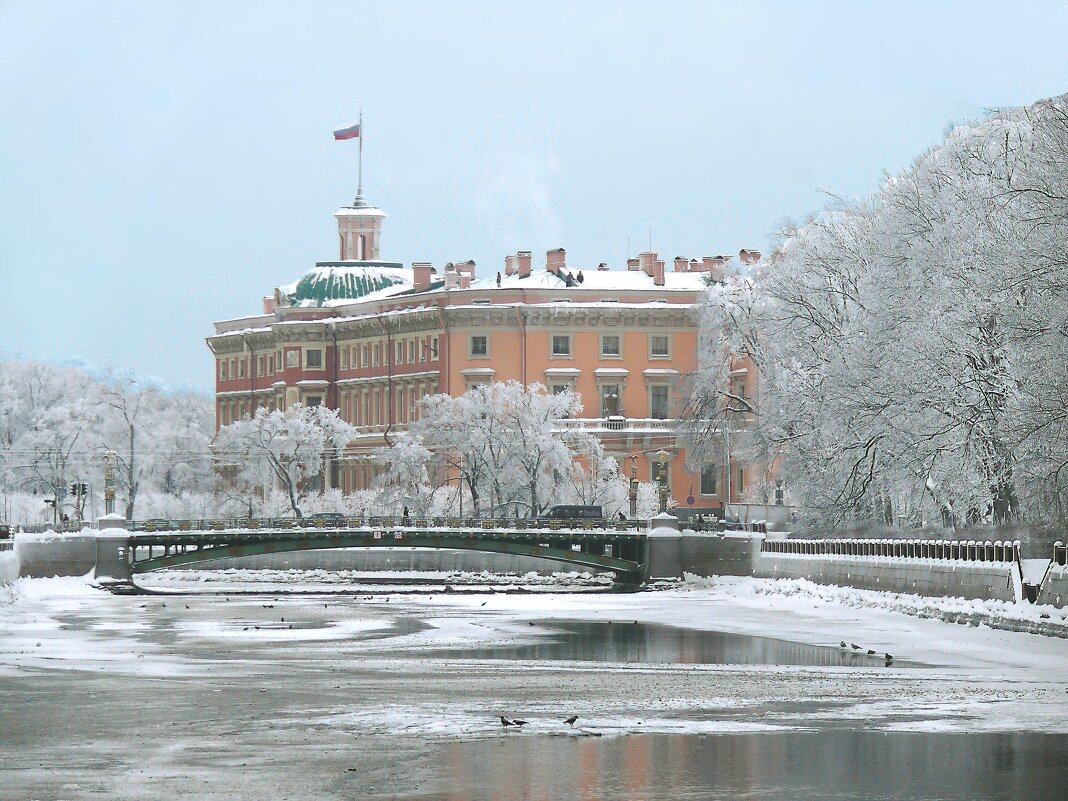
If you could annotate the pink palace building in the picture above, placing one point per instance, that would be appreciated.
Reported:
(624, 339)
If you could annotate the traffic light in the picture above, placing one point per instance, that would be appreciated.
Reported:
(50, 501)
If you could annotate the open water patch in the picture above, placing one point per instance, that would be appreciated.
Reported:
(635, 642)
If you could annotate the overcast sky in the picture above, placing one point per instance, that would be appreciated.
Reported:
(165, 165)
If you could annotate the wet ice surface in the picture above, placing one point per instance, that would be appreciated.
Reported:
(214, 695)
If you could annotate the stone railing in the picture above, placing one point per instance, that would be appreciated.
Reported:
(618, 424)
(959, 550)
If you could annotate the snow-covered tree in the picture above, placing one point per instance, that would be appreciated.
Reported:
(912, 347)
(286, 446)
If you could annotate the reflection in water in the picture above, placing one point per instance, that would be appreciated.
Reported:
(840, 764)
(642, 642)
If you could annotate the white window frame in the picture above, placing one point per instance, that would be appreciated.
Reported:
(650, 389)
(471, 346)
(570, 346)
(307, 361)
(619, 346)
(670, 344)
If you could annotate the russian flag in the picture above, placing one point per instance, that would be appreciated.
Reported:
(352, 132)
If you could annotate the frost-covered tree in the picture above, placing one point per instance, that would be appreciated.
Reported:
(912, 347)
(506, 444)
(284, 446)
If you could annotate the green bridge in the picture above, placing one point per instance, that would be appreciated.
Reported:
(624, 553)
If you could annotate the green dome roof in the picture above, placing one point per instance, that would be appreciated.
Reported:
(335, 283)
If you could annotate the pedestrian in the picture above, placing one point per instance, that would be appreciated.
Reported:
(404, 515)
(580, 277)
(498, 279)
(622, 516)
(569, 280)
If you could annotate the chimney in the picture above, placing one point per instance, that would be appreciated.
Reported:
(555, 260)
(510, 267)
(646, 261)
(658, 272)
(632, 264)
(423, 275)
(522, 260)
(696, 266)
(465, 281)
(749, 256)
(602, 267)
(467, 268)
(268, 304)
(451, 277)
(715, 266)
(681, 264)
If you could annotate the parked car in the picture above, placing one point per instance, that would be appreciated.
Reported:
(326, 520)
(569, 512)
(5, 532)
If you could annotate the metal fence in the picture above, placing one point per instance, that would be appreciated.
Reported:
(384, 522)
(960, 550)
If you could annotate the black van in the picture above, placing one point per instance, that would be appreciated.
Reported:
(574, 513)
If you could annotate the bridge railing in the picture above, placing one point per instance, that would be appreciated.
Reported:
(958, 550)
(384, 522)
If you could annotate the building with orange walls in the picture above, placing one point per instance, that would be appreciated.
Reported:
(370, 338)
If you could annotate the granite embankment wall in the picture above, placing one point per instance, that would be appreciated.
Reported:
(1054, 588)
(951, 569)
(52, 554)
(949, 578)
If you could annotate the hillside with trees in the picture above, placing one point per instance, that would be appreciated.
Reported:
(913, 346)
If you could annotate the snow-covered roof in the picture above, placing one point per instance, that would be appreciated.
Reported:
(594, 279)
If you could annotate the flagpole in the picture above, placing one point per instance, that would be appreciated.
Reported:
(359, 168)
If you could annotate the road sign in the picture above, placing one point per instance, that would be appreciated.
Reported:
(690, 500)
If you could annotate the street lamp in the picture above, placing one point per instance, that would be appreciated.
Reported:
(633, 486)
(661, 478)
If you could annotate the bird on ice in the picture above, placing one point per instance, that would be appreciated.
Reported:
(854, 646)
(571, 720)
(506, 722)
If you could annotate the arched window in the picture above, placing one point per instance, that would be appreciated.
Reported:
(361, 247)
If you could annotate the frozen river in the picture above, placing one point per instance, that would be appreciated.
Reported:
(238, 689)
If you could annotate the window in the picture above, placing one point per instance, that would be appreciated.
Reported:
(659, 346)
(479, 346)
(376, 355)
(223, 376)
(270, 364)
(709, 479)
(366, 352)
(560, 389)
(561, 344)
(293, 358)
(314, 400)
(434, 349)
(423, 348)
(738, 388)
(611, 400)
(259, 366)
(411, 352)
(658, 402)
(313, 359)
(740, 486)
(241, 368)
(610, 346)
(345, 358)
(398, 353)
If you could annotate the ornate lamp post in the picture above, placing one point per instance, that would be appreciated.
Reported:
(661, 478)
(633, 485)
(109, 482)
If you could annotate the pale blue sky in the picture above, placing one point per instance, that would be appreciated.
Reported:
(164, 165)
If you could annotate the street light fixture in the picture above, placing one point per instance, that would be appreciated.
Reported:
(662, 460)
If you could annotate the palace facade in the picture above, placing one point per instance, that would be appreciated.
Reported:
(370, 338)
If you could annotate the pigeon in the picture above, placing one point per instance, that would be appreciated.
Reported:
(854, 646)
(518, 722)
(571, 720)
(506, 722)
(871, 652)
(529, 623)
(843, 644)
(888, 657)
